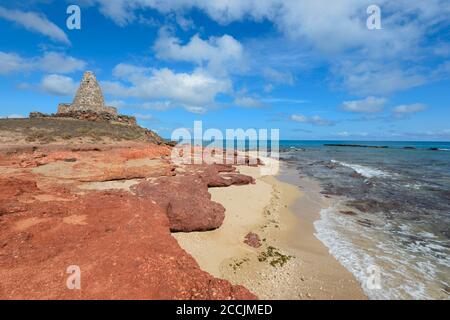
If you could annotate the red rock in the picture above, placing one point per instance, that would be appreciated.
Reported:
(224, 167)
(14, 192)
(148, 152)
(121, 241)
(253, 240)
(210, 175)
(124, 173)
(227, 180)
(186, 200)
(13, 187)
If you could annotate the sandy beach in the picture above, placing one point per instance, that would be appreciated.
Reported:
(291, 263)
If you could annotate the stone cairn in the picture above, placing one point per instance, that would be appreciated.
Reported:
(89, 97)
(88, 104)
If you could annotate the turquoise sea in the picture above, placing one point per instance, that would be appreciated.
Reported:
(391, 210)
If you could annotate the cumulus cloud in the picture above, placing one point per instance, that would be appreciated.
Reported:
(60, 63)
(220, 55)
(407, 109)
(377, 76)
(10, 62)
(346, 134)
(35, 22)
(314, 120)
(146, 117)
(248, 102)
(438, 134)
(363, 61)
(158, 105)
(195, 91)
(58, 85)
(367, 105)
(283, 77)
(285, 101)
(154, 105)
(49, 62)
(313, 21)
(116, 103)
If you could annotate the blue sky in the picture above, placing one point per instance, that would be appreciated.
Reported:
(310, 68)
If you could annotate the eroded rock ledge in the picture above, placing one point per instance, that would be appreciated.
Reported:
(61, 207)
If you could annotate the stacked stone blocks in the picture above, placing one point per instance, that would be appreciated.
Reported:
(89, 97)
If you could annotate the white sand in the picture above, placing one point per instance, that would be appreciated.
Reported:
(265, 209)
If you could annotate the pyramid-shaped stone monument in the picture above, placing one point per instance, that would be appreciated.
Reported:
(89, 97)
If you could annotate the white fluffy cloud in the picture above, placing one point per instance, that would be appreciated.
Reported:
(146, 117)
(314, 120)
(406, 109)
(49, 62)
(195, 91)
(367, 105)
(35, 22)
(278, 76)
(378, 77)
(219, 55)
(315, 21)
(10, 62)
(58, 85)
(60, 63)
(365, 62)
(248, 102)
(346, 134)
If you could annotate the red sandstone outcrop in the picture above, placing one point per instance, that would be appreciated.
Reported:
(121, 241)
(226, 180)
(213, 175)
(186, 201)
(186, 198)
(253, 240)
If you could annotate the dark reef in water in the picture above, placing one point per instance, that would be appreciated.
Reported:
(355, 146)
(374, 147)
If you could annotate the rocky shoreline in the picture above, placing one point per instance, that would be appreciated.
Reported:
(109, 210)
(267, 241)
(139, 226)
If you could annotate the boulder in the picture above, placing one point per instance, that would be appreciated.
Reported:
(253, 240)
(186, 201)
(121, 244)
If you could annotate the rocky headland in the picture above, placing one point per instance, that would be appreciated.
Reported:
(88, 189)
(109, 209)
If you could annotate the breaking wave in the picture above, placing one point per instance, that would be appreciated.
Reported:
(410, 273)
(363, 170)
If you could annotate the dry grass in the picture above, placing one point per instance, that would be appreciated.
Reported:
(53, 129)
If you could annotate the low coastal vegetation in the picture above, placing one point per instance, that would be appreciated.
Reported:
(48, 130)
(238, 263)
(274, 257)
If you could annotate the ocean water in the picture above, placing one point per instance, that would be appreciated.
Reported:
(390, 212)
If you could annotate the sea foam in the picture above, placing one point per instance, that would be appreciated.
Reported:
(400, 278)
(363, 170)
